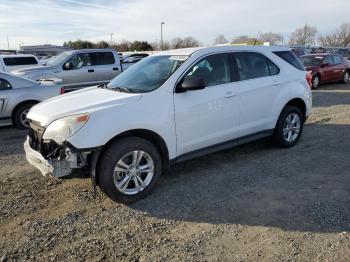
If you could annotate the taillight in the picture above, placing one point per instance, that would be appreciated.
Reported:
(62, 91)
(309, 78)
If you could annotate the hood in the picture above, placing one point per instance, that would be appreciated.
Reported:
(33, 69)
(87, 100)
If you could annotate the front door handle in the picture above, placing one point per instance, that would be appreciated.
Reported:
(115, 68)
(229, 94)
(91, 70)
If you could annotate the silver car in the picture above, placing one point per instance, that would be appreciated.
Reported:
(18, 95)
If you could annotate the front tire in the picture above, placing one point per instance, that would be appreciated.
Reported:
(129, 169)
(20, 115)
(289, 126)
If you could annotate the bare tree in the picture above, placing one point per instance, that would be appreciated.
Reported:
(179, 42)
(340, 37)
(220, 39)
(305, 35)
(123, 46)
(243, 39)
(191, 42)
(101, 44)
(270, 37)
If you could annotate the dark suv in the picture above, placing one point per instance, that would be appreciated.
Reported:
(326, 68)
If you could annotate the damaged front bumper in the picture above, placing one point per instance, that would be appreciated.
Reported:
(60, 166)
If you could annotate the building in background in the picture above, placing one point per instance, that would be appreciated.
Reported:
(43, 50)
(7, 52)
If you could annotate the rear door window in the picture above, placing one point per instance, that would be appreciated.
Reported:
(290, 58)
(254, 65)
(102, 58)
(328, 60)
(214, 69)
(17, 61)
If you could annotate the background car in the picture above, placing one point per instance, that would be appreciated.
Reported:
(79, 68)
(134, 58)
(18, 95)
(9, 63)
(326, 68)
(298, 51)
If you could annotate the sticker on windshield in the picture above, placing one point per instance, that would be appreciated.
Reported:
(179, 57)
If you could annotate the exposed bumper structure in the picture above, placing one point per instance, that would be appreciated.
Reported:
(56, 167)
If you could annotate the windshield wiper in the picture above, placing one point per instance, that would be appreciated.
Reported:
(123, 89)
(119, 89)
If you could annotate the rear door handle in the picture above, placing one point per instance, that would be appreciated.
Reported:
(229, 94)
(115, 69)
(91, 70)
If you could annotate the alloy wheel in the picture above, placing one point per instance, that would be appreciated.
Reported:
(133, 172)
(315, 82)
(291, 127)
(346, 77)
(23, 117)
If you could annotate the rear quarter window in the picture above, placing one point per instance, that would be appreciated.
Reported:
(4, 84)
(17, 61)
(290, 58)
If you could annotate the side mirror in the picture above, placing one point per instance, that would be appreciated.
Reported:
(325, 65)
(68, 66)
(190, 83)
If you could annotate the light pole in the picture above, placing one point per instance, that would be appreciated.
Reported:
(161, 35)
(112, 38)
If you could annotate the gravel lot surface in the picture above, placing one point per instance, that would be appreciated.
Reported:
(252, 203)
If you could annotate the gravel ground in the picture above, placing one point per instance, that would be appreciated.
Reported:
(252, 203)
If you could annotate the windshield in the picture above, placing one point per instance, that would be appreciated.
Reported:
(311, 60)
(58, 60)
(148, 74)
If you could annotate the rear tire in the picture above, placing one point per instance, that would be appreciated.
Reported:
(129, 169)
(289, 126)
(20, 116)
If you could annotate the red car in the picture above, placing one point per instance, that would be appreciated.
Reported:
(326, 68)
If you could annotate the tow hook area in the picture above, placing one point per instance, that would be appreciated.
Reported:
(67, 160)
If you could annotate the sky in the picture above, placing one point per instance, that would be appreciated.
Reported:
(30, 22)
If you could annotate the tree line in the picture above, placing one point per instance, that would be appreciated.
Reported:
(126, 45)
(306, 35)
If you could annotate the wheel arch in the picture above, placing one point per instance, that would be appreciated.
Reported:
(298, 102)
(29, 101)
(146, 134)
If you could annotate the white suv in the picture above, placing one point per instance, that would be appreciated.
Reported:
(167, 108)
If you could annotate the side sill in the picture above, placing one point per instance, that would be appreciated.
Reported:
(222, 146)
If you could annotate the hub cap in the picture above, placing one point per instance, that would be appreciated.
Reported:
(133, 172)
(23, 117)
(291, 127)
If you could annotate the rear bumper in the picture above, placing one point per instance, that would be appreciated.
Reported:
(56, 167)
